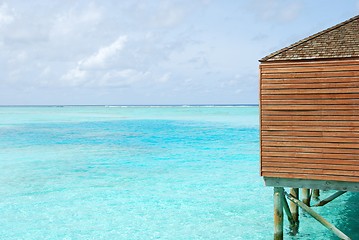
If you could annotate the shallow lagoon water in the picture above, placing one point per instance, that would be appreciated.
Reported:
(141, 173)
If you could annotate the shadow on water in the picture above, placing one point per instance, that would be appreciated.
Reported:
(349, 223)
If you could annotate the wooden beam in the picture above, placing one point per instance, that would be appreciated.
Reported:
(308, 183)
(330, 198)
(319, 218)
(308, 176)
(293, 224)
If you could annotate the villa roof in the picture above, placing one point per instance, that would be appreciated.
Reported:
(339, 41)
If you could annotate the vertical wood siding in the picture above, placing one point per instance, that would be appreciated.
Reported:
(310, 119)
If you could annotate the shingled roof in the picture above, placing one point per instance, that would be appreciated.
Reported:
(339, 41)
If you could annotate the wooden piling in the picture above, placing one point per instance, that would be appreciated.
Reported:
(315, 194)
(306, 196)
(294, 210)
(278, 213)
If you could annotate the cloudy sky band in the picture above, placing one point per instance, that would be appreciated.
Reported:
(148, 52)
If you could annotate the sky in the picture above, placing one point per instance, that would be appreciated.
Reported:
(133, 52)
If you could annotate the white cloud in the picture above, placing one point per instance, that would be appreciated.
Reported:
(238, 91)
(98, 60)
(73, 21)
(6, 15)
(87, 69)
(291, 12)
(169, 15)
(95, 45)
(164, 78)
(278, 10)
(74, 77)
(121, 78)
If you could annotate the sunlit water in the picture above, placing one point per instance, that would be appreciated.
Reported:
(141, 173)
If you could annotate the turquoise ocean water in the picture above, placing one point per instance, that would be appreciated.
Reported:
(141, 173)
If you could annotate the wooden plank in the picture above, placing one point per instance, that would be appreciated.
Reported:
(312, 123)
(310, 96)
(309, 118)
(310, 166)
(303, 69)
(312, 171)
(310, 176)
(309, 80)
(311, 155)
(309, 86)
(311, 160)
(309, 144)
(314, 63)
(309, 91)
(297, 133)
(326, 172)
(290, 107)
(309, 134)
(311, 139)
(310, 150)
(312, 102)
(310, 75)
(309, 128)
(317, 112)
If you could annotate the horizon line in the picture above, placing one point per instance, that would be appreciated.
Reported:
(123, 105)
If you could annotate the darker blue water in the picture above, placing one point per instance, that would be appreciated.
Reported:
(140, 173)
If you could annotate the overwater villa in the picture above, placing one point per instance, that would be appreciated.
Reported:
(309, 106)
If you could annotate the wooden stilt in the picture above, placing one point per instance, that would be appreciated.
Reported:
(294, 210)
(319, 218)
(330, 198)
(287, 211)
(278, 213)
(315, 194)
(306, 196)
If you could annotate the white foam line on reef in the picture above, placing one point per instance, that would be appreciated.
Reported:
(184, 106)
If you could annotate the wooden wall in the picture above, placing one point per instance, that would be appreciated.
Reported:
(310, 119)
